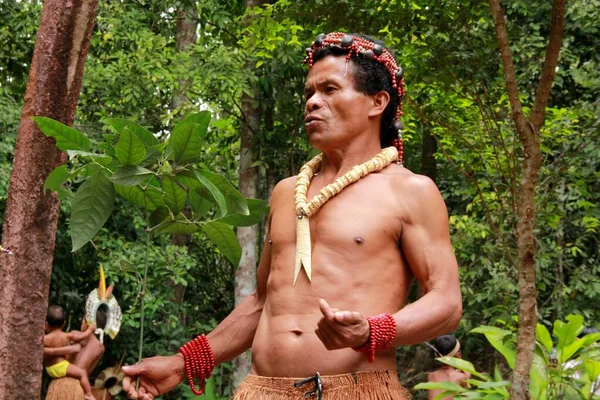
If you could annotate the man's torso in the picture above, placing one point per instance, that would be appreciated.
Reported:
(356, 265)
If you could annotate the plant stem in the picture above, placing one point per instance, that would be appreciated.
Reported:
(143, 292)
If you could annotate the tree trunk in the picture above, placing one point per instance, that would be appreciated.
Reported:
(245, 276)
(31, 217)
(528, 131)
(184, 39)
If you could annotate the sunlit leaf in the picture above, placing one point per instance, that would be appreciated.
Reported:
(119, 124)
(66, 137)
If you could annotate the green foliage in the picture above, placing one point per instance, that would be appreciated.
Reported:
(155, 187)
(455, 92)
(566, 369)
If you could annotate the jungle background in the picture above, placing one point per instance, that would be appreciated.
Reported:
(157, 61)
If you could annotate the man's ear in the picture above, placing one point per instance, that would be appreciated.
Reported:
(380, 102)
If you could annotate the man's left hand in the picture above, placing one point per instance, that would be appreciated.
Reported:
(340, 329)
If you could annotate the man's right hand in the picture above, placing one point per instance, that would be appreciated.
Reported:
(157, 375)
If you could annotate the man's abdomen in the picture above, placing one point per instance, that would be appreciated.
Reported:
(287, 346)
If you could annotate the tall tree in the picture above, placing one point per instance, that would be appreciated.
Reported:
(528, 130)
(30, 223)
(245, 276)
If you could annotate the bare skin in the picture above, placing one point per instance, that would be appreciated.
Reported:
(85, 355)
(56, 338)
(446, 374)
(368, 245)
(90, 354)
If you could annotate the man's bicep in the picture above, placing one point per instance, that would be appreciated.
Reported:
(426, 239)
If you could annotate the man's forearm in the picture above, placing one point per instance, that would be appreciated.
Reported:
(235, 334)
(431, 316)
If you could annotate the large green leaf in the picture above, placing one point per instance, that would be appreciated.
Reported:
(592, 368)
(201, 118)
(543, 336)
(463, 365)
(175, 195)
(446, 386)
(130, 175)
(159, 215)
(66, 137)
(205, 188)
(235, 202)
(224, 237)
(57, 178)
(154, 153)
(178, 226)
(130, 149)
(200, 205)
(186, 141)
(119, 124)
(566, 334)
(496, 338)
(257, 208)
(92, 205)
(151, 197)
(101, 159)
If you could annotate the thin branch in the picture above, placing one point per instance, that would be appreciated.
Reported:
(509, 70)
(542, 93)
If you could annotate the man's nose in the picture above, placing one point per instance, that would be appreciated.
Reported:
(314, 103)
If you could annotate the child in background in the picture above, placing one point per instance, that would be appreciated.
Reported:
(56, 365)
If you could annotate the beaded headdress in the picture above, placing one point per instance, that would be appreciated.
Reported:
(370, 51)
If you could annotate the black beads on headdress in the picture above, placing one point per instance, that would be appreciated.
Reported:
(370, 51)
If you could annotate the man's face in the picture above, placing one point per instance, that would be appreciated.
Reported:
(335, 111)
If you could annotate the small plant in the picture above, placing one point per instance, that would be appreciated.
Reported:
(568, 369)
(166, 179)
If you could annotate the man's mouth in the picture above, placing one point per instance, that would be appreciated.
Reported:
(311, 120)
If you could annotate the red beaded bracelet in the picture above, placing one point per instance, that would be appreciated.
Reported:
(381, 336)
(199, 362)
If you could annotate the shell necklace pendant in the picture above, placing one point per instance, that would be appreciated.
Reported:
(305, 210)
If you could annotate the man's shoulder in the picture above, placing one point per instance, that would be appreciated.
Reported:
(284, 186)
(406, 182)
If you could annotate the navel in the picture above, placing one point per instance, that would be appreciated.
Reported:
(270, 241)
(359, 240)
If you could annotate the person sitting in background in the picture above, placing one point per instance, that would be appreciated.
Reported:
(447, 346)
(85, 355)
(57, 365)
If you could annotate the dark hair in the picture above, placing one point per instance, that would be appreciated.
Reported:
(101, 317)
(55, 317)
(370, 78)
(445, 344)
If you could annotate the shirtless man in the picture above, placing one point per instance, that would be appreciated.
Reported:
(57, 366)
(447, 346)
(368, 244)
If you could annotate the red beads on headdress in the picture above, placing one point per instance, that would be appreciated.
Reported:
(371, 51)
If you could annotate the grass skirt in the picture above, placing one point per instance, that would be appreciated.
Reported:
(366, 385)
(64, 389)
